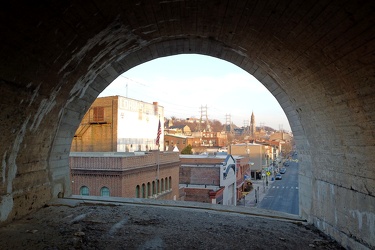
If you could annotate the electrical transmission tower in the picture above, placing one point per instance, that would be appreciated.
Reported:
(203, 111)
(228, 124)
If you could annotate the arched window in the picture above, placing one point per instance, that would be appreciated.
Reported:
(158, 186)
(104, 191)
(149, 189)
(166, 184)
(143, 190)
(170, 182)
(84, 190)
(153, 188)
(162, 185)
(137, 193)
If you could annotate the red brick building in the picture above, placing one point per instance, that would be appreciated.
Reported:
(200, 177)
(133, 175)
(180, 141)
(210, 139)
(243, 176)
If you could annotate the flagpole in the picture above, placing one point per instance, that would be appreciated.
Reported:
(158, 163)
(158, 153)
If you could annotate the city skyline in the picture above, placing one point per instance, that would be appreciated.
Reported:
(183, 84)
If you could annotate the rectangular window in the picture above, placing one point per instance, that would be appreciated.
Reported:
(98, 114)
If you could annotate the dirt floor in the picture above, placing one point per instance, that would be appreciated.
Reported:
(138, 226)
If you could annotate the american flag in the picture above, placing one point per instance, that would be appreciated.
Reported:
(158, 135)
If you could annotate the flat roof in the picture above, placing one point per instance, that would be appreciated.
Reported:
(204, 156)
(211, 156)
(205, 165)
(202, 186)
(106, 154)
(247, 144)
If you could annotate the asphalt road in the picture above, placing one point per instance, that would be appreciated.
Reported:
(283, 194)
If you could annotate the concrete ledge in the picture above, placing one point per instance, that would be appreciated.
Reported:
(76, 200)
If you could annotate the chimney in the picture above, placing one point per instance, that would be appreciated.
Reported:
(156, 107)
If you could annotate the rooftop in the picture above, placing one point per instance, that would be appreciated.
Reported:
(106, 154)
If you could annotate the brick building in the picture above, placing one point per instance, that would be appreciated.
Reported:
(119, 124)
(134, 175)
(180, 141)
(261, 155)
(275, 148)
(280, 136)
(201, 178)
(243, 175)
(210, 139)
(110, 152)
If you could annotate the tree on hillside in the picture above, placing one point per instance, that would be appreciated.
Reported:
(216, 125)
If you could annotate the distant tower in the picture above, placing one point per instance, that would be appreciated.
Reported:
(252, 125)
(228, 124)
(204, 113)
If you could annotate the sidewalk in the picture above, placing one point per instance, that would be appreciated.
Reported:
(259, 187)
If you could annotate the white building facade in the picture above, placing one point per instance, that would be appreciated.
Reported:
(228, 181)
(138, 124)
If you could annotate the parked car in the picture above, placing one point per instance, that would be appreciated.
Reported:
(282, 170)
(278, 177)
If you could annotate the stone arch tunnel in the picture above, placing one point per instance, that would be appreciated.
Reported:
(316, 57)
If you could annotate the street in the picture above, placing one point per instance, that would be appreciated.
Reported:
(282, 194)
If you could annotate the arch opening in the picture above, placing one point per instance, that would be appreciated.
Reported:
(176, 82)
(316, 59)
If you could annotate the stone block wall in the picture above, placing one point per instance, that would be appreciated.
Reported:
(316, 59)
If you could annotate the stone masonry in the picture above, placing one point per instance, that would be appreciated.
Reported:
(315, 57)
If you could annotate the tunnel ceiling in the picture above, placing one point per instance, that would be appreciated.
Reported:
(313, 55)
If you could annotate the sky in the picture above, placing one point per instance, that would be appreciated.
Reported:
(183, 84)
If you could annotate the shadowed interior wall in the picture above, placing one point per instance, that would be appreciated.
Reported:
(315, 57)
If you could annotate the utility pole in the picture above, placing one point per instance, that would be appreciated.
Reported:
(246, 127)
(281, 131)
(132, 81)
